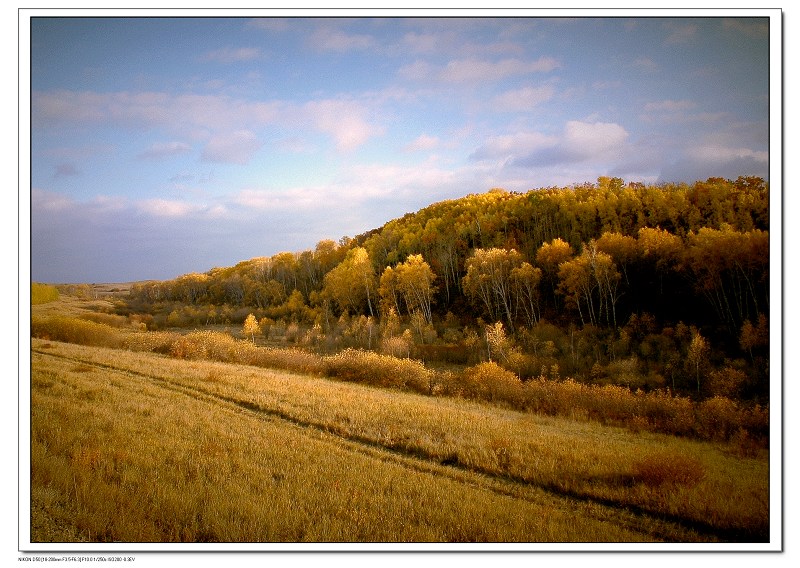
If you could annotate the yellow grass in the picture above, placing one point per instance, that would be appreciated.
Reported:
(199, 450)
(117, 457)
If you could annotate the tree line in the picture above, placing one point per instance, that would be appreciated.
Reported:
(613, 273)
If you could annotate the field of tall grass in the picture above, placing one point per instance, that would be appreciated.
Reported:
(132, 420)
(140, 436)
(117, 457)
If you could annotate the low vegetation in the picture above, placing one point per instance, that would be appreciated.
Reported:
(717, 418)
(43, 293)
(208, 451)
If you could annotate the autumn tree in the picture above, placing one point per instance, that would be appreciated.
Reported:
(549, 257)
(525, 280)
(497, 342)
(352, 282)
(389, 291)
(731, 270)
(415, 282)
(622, 249)
(488, 281)
(697, 356)
(589, 283)
(251, 327)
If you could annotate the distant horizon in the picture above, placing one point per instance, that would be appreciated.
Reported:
(164, 146)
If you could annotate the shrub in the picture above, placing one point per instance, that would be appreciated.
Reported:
(289, 359)
(489, 381)
(719, 417)
(398, 346)
(211, 345)
(111, 320)
(379, 370)
(152, 341)
(76, 330)
(43, 293)
(727, 382)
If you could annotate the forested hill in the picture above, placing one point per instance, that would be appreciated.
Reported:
(620, 258)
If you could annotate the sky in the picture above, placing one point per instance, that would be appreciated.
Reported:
(162, 146)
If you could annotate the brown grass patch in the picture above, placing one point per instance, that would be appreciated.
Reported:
(668, 468)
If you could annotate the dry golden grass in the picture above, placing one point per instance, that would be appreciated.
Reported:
(715, 494)
(117, 456)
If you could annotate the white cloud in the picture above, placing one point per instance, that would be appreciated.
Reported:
(188, 114)
(422, 42)
(66, 170)
(607, 84)
(48, 201)
(727, 154)
(579, 142)
(233, 148)
(597, 140)
(344, 120)
(751, 27)
(165, 208)
(227, 124)
(291, 199)
(678, 111)
(269, 24)
(645, 64)
(708, 160)
(471, 70)
(417, 71)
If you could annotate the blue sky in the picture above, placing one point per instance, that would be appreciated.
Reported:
(164, 146)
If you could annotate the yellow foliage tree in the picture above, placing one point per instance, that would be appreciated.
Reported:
(251, 327)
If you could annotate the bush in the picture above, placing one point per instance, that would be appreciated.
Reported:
(152, 341)
(111, 320)
(718, 418)
(75, 330)
(43, 293)
(379, 370)
(212, 345)
(289, 359)
(489, 381)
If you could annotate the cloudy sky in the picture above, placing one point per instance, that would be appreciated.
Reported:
(164, 146)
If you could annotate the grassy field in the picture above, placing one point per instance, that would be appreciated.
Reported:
(138, 447)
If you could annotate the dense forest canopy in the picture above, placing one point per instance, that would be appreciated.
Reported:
(648, 285)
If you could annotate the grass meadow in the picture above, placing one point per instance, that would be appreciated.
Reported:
(164, 444)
